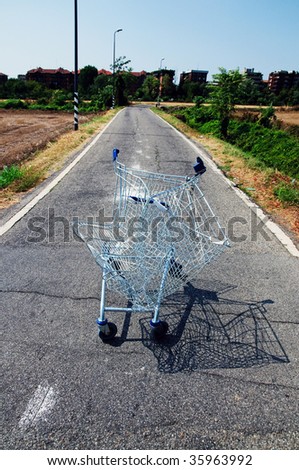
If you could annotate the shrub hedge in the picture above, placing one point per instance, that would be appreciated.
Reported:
(274, 148)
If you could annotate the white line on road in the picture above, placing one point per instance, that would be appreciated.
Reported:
(274, 228)
(39, 406)
(18, 216)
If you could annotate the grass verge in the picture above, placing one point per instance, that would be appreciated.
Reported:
(17, 179)
(275, 192)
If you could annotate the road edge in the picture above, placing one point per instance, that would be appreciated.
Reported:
(22, 212)
(277, 231)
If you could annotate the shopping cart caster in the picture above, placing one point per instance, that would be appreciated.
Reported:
(159, 329)
(107, 330)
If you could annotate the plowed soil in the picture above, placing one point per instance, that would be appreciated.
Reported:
(24, 132)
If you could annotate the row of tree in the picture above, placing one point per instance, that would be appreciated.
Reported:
(126, 87)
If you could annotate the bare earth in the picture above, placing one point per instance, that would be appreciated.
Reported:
(24, 132)
(288, 117)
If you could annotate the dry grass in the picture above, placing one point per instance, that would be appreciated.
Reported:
(257, 183)
(45, 162)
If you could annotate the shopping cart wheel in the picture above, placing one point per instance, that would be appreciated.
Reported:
(159, 329)
(112, 332)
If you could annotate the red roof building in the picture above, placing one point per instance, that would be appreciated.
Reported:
(104, 72)
(52, 78)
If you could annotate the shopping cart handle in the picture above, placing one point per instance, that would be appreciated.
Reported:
(115, 153)
(199, 166)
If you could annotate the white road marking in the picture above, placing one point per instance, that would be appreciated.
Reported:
(39, 406)
(19, 215)
(274, 228)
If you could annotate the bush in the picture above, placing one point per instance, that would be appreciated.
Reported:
(273, 148)
(9, 174)
(14, 104)
(28, 180)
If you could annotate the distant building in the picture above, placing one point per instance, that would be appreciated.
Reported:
(104, 72)
(21, 77)
(139, 78)
(282, 80)
(141, 74)
(162, 72)
(3, 78)
(52, 78)
(256, 77)
(138, 82)
(195, 76)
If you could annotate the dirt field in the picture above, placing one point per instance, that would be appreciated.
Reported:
(24, 132)
(289, 117)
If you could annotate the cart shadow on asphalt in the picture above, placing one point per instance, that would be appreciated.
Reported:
(209, 331)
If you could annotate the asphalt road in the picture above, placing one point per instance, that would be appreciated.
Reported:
(225, 377)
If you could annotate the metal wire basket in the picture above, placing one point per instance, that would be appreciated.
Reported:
(163, 233)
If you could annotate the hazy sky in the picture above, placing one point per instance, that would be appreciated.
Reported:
(188, 34)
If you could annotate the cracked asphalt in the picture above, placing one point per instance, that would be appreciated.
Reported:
(225, 376)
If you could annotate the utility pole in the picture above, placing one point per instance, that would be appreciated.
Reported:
(113, 70)
(160, 83)
(76, 95)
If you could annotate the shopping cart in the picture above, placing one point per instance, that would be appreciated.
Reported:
(163, 233)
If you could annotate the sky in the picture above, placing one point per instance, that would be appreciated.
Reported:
(186, 34)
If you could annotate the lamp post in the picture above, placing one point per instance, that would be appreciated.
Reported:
(113, 77)
(160, 82)
(76, 95)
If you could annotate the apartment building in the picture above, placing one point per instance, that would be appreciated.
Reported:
(195, 76)
(52, 78)
(282, 79)
(3, 78)
(256, 77)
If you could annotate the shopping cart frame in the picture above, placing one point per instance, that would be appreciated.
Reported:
(109, 261)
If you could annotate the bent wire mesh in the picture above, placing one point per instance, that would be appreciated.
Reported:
(163, 233)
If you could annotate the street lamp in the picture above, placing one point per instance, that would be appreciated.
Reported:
(160, 82)
(113, 77)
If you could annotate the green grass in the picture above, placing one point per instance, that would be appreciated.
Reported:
(263, 147)
(225, 168)
(13, 104)
(21, 179)
(9, 174)
(287, 193)
(28, 180)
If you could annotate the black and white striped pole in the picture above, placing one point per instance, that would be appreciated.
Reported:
(76, 94)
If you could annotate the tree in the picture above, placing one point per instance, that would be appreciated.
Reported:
(267, 117)
(224, 96)
(23, 89)
(249, 92)
(87, 77)
(149, 89)
(190, 90)
(168, 87)
(121, 71)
